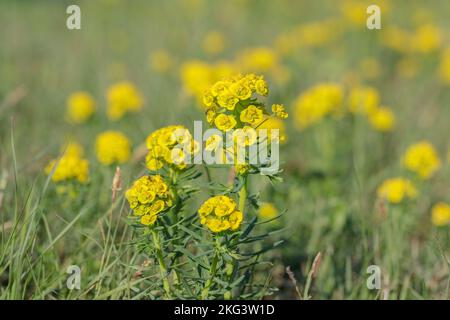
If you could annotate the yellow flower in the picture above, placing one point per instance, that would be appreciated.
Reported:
(170, 146)
(227, 100)
(279, 111)
(240, 90)
(363, 100)
(73, 149)
(267, 210)
(70, 166)
(252, 114)
(426, 39)
(112, 147)
(123, 97)
(214, 142)
(444, 67)
(422, 159)
(259, 59)
(213, 43)
(382, 119)
(225, 122)
(160, 61)
(395, 190)
(80, 107)
(261, 87)
(440, 214)
(149, 196)
(316, 103)
(220, 214)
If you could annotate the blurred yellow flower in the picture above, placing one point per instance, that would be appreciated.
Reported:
(70, 166)
(220, 214)
(112, 147)
(316, 103)
(123, 97)
(259, 60)
(148, 197)
(382, 119)
(73, 149)
(444, 67)
(427, 38)
(440, 214)
(214, 43)
(197, 76)
(160, 61)
(395, 190)
(80, 107)
(267, 210)
(396, 39)
(363, 100)
(422, 159)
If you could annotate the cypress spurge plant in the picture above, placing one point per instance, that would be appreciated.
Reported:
(210, 253)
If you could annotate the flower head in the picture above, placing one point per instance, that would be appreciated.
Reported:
(316, 103)
(220, 213)
(395, 190)
(112, 147)
(382, 119)
(422, 159)
(363, 100)
(80, 107)
(440, 214)
(267, 210)
(123, 97)
(148, 197)
(70, 166)
(170, 146)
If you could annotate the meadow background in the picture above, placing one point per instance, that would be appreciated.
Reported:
(331, 169)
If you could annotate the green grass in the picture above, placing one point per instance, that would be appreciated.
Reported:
(331, 171)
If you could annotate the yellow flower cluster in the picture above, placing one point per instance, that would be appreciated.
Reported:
(382, 119)
(70, 166)
(170, 146)
(267, 210)
(219, 214)
(310, 35)
(444, 67)
(148, 197)
(422, 159)
(259, 59)
(80, 107)
(366, 101)
(112, 147)
(197, 76)
(229, 102)
(440, 214)
(123, 97)
(316, 103)
(427, 38)
(395, 190)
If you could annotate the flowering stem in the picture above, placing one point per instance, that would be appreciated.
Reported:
(162, 264)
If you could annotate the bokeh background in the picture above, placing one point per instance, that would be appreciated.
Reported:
(171, 51)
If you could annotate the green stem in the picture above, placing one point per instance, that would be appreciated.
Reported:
(243, 196)
(212, 273)
(162, 264)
